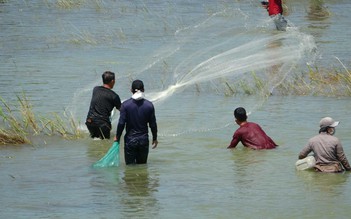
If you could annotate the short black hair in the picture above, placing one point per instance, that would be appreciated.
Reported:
(107, 77)
(137, 85)
(240, 114)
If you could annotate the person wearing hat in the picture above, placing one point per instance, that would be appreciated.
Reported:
(327, 149)
(250, 134)
(103, 100)
(136, 114)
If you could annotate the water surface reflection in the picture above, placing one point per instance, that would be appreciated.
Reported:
(140, 187)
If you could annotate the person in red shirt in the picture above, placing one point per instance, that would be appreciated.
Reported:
(275, 11)
(250, 134)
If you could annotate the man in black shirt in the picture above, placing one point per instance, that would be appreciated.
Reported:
(103, 101)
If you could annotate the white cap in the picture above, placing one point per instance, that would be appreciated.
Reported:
(328, 122)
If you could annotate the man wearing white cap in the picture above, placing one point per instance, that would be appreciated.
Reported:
(327, 149)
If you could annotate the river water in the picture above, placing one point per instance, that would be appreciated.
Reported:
(183, 51)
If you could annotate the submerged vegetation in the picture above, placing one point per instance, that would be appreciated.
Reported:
(319, 82)
(17, 127)
(315, 81)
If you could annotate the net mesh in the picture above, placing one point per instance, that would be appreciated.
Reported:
(111, 158)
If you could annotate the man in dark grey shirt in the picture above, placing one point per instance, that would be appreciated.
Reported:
(103, 101)
(327, 149)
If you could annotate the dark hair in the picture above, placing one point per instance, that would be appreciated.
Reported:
(137, 85)
(240, 114)
(323, 129)
(107, 77)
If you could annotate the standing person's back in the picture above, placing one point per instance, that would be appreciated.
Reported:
(103, 100)
(136, 115)
(250, 134)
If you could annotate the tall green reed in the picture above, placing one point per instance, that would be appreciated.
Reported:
(18, 127)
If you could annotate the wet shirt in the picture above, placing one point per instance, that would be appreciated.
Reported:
(102, 103)
(275, 7)
(136, 115)
(251, 135)
(327, 150)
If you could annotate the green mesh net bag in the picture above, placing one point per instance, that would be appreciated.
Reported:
(111, 158)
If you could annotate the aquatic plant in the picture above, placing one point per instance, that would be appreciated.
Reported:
(13, 133)
(69, 4)
(19, 126)
(318, 81)
(74, 4)
(63, 126)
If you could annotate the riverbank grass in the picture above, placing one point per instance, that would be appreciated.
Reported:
(314, 81)
(18, 126)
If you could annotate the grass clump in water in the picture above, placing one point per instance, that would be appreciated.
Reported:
(18, 127)
(316, 81)
(332, 82)
(69, 4)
